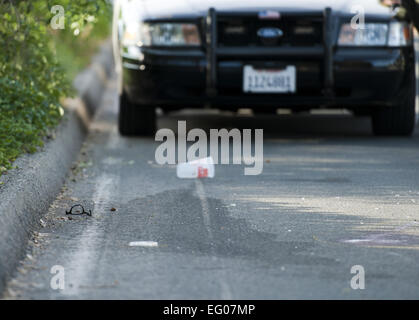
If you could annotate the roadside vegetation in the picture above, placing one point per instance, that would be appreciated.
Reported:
(37, 65)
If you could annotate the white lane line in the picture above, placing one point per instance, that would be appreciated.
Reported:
(381, 238)
(374, 241)
(115, 140)
(147, 244)
(225, 289)
(81, 265)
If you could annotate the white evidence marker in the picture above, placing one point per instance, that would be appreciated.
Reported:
(147, 244)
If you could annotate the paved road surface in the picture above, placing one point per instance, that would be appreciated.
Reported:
(331, 196)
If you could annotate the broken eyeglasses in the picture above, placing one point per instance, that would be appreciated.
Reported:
(78, 210)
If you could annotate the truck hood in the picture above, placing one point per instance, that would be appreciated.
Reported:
(156, 9)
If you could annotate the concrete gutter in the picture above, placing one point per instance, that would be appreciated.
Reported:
(91, 83)
(29, 189)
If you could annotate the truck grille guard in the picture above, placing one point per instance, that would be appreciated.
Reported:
(213, 52)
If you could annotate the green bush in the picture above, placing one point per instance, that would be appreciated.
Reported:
(33, 77)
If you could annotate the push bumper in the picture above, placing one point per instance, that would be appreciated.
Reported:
(327, 76)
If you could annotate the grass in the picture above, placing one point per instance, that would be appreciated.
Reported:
(74, 53)
(27, 110)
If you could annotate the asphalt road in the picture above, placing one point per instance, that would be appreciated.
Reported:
(331, 196)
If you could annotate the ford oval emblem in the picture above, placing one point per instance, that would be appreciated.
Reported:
(270, 33)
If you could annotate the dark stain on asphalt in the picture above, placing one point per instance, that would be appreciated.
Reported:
(179, 226)
(322, 180)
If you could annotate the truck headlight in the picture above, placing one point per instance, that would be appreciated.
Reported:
(170, 34)
(131, 41)
(400, 34)
(373, 34)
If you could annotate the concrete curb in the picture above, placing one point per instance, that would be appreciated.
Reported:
(31, 187)
(91, 82)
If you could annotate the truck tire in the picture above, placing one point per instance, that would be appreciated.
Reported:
(135, 119)
(399, 120)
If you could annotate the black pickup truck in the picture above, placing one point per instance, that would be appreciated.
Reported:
(264, 55)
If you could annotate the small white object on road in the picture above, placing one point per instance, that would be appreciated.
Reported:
(147, 244)
(198, 169)
(42, 223)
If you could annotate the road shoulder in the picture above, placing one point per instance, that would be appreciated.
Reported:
(30, 188)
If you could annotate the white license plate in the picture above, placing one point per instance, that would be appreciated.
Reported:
(270, 80)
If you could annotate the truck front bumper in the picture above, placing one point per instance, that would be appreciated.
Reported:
(362, 77)
(327, 75)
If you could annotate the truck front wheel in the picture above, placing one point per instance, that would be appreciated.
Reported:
(135, 119)
(399, 120)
